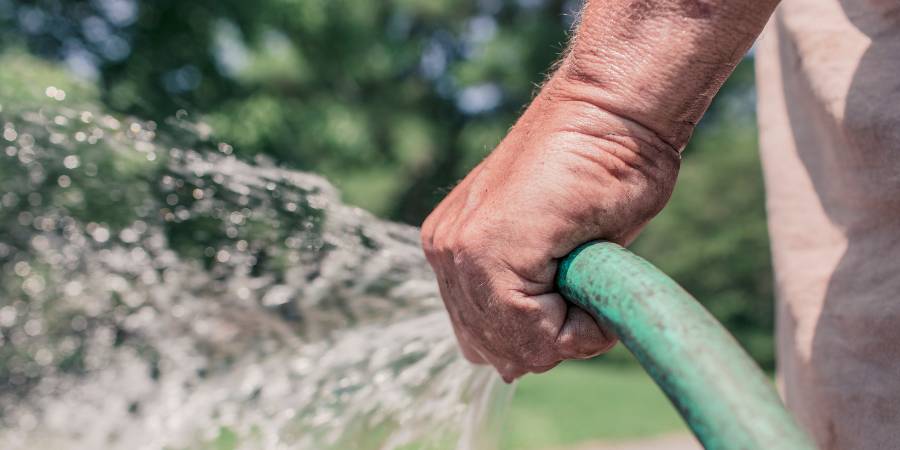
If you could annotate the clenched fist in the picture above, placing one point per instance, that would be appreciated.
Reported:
(567, 173)
(595, 156)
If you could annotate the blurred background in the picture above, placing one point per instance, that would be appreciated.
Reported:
(395, 100)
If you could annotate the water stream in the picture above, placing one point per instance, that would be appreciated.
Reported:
(156, 292)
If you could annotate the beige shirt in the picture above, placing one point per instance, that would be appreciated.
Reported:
(829, 114)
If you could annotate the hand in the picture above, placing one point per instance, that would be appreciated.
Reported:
(594, 157)
(567, 173)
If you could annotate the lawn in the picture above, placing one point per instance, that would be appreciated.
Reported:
(585, 401)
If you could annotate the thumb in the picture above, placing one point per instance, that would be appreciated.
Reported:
(581, 337)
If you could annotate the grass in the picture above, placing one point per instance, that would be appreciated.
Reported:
(585, 401)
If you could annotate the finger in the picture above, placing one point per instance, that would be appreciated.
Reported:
(548, 309)
(536, 323)
(469, 351)
(581, 337)
(510, 372)
(466, 346)
(629, 237)
(434, 229)
(428, 234)
(449, 294)
(472, 355)
(543, 369)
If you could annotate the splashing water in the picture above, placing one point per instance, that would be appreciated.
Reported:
(157, 292)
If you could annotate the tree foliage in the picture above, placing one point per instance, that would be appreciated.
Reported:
(394, 101)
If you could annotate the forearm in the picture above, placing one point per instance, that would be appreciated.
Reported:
(658, 63)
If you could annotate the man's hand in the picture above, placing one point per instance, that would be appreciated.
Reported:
(595, 156)
(567, 173)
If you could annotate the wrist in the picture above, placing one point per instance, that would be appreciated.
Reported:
(661, 62)
(573, 107)
(620, 91)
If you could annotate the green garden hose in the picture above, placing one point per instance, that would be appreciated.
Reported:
(719, 391)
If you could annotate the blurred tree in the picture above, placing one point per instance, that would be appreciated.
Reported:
(392, 100)
(395, 100)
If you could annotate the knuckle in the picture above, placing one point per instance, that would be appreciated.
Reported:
(426, 237)
(459, 243)
(428, 225)
(441, 245)
(465, 245)
(472, 356)
(470, 235)
(469, 257)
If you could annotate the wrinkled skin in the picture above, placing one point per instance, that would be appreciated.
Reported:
(567, 173)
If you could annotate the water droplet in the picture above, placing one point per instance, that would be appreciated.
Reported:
(22, 269)
(43, 357)
(8, 316)
(277, 295)
(110, 122)
(225, 148)
(10, 134)
(26, 140)
(35, 199)
(129, 236)
(33, 327)
(73, 288)
(25, 218)
(100, 234)
(223, 256)
(71, 162)
(64, 181)
(9, 199)
(78, 323)
(40, 243)
(182, 213)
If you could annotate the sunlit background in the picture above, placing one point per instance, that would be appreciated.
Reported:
(392, 101)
